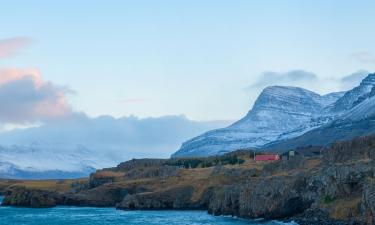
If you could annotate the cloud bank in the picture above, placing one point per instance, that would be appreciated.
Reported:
(114, 139)
(25, 97)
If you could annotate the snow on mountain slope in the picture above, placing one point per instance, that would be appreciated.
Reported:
(278, 110)
(356, 120)
(354, 96)
(41, 158)
(362, 110)
(285, 113)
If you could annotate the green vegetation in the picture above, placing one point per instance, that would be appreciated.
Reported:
(328, 199)
(228, 159)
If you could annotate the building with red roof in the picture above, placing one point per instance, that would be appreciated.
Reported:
(268, 157)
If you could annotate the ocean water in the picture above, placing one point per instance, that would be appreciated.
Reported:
(111, 216)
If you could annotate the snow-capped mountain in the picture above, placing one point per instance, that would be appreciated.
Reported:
(277, 111)
(354, 96)
(78, 145)
(41, 160)
(285, 113)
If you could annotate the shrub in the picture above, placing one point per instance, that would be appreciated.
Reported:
(328, 199)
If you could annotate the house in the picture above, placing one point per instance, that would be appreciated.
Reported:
(267, 157)
(289, 155)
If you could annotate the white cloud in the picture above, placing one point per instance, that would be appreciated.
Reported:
(25, 97)
(353, 79)
(308, 80)
(290, 78)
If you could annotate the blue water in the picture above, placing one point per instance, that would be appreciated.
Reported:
(111, 216)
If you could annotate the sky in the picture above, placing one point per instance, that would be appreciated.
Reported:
(206, 60)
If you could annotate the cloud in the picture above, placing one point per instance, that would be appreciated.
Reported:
(353, 79)
(364, 57)
(10, 46)
(308, 80)
(25, 97)
(115, 139)
(291, 78)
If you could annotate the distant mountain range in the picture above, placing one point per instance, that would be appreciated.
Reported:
(78, 145)
(284, 118)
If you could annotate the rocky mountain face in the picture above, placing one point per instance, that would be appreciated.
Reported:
(284, 117)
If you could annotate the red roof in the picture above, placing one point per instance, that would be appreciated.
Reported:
(269, 157)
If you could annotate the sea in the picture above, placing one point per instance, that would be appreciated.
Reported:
(110, 216)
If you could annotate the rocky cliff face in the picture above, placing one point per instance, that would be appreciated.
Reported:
(23, 197)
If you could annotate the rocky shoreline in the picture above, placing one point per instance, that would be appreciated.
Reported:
(337, 187)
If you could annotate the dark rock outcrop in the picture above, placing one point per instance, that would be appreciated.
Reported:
(175, 198)
(270, 198)
(368, 202)
(23, 197)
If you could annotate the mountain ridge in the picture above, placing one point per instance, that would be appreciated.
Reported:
(282, 113)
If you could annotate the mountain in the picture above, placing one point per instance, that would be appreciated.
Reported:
(277, 111)
(76, 146)
(357, 121)
(354, 96)
(288, 117)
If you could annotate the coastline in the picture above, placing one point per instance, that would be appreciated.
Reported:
(334, 188)
(55, 212)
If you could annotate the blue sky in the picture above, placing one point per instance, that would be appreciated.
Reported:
(197, 58)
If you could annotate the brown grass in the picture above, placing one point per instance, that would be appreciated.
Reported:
(345, 208)
(108, 173)
(51, 185)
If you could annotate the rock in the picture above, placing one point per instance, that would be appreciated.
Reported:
(269, 198)
(316, 217)
(225, 201)
(175, 198)
(368, 203)
(23, 197)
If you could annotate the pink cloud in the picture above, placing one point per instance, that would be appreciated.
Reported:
(13, 74)
(26, 97)
(10, 46)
